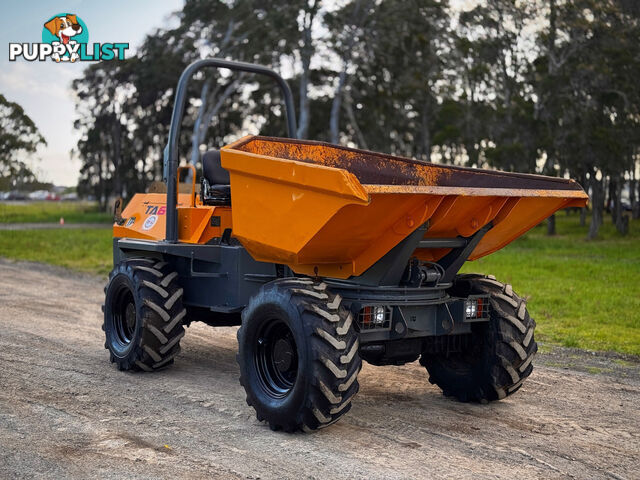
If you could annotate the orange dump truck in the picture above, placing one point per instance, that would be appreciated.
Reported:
(326, 256)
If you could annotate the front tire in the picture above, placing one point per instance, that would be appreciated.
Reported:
(502, 349)
(298, 355)
(143, 315)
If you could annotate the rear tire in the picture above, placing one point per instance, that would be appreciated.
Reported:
(143, 315)
(501, 352)
(298, 355)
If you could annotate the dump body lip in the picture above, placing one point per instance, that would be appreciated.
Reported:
(473, 191)
(371, 167)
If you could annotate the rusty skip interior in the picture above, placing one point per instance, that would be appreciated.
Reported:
(371, 168)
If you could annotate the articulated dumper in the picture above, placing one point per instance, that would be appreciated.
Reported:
(325, 256)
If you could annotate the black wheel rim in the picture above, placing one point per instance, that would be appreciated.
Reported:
(276, 358)
(123, 308)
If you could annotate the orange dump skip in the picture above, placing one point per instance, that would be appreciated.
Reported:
(334, 211)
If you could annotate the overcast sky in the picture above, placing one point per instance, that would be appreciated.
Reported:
(43, 88)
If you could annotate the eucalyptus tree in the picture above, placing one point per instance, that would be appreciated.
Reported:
(392, 93)
(19, 138)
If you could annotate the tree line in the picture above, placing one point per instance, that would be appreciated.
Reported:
(544, 86)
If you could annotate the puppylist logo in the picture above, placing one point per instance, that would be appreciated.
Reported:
(65, 38)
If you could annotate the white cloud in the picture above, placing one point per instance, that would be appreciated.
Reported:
(34, 79)
(43, 91)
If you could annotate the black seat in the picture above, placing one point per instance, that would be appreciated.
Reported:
(212, 168)
(215, 180)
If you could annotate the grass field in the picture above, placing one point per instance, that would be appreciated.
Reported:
(583, 294)
(82, 249)
(49, 212)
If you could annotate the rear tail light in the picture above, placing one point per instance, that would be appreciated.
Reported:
(374, 317)
(476, 308)
(471, 309)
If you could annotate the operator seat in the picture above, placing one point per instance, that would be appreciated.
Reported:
(216, 189)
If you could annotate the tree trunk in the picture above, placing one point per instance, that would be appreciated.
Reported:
(303, 117)
(336, 103)
(596, 207)
(634, 198)
(614, 199)
(116, 132)
(426, 134)
(621, 222)
(97, 189)
(103, 170)
(551, 46)
(213, 109)
(607, 195)
(195, 136)
(306, 52)
(362, 142)
(583, 211)
(551, 225)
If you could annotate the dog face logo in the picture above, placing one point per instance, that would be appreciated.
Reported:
(65, 29)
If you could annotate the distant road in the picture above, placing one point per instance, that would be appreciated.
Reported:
(52, 225)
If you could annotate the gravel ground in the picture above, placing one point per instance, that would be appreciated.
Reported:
(66, 412)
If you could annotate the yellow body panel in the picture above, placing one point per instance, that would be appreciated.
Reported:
(310, 206)
(292, 204)
(145, 219)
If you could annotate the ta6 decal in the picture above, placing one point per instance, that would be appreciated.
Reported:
(155, 210)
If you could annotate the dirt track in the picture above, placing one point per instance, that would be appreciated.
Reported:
(66, 412)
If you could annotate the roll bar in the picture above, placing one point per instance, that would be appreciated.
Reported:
(171, 159)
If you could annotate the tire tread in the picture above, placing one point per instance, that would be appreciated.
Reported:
(160, 297)
(509, 347)
(333, 344)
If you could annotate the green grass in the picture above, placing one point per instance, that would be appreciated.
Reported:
(48, 212)
(583, 294)
(83, 249)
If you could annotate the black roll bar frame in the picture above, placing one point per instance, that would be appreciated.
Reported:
(171, 159)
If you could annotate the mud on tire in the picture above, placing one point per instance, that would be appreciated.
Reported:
(315, 350)
(143, 315)
(502, 350)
